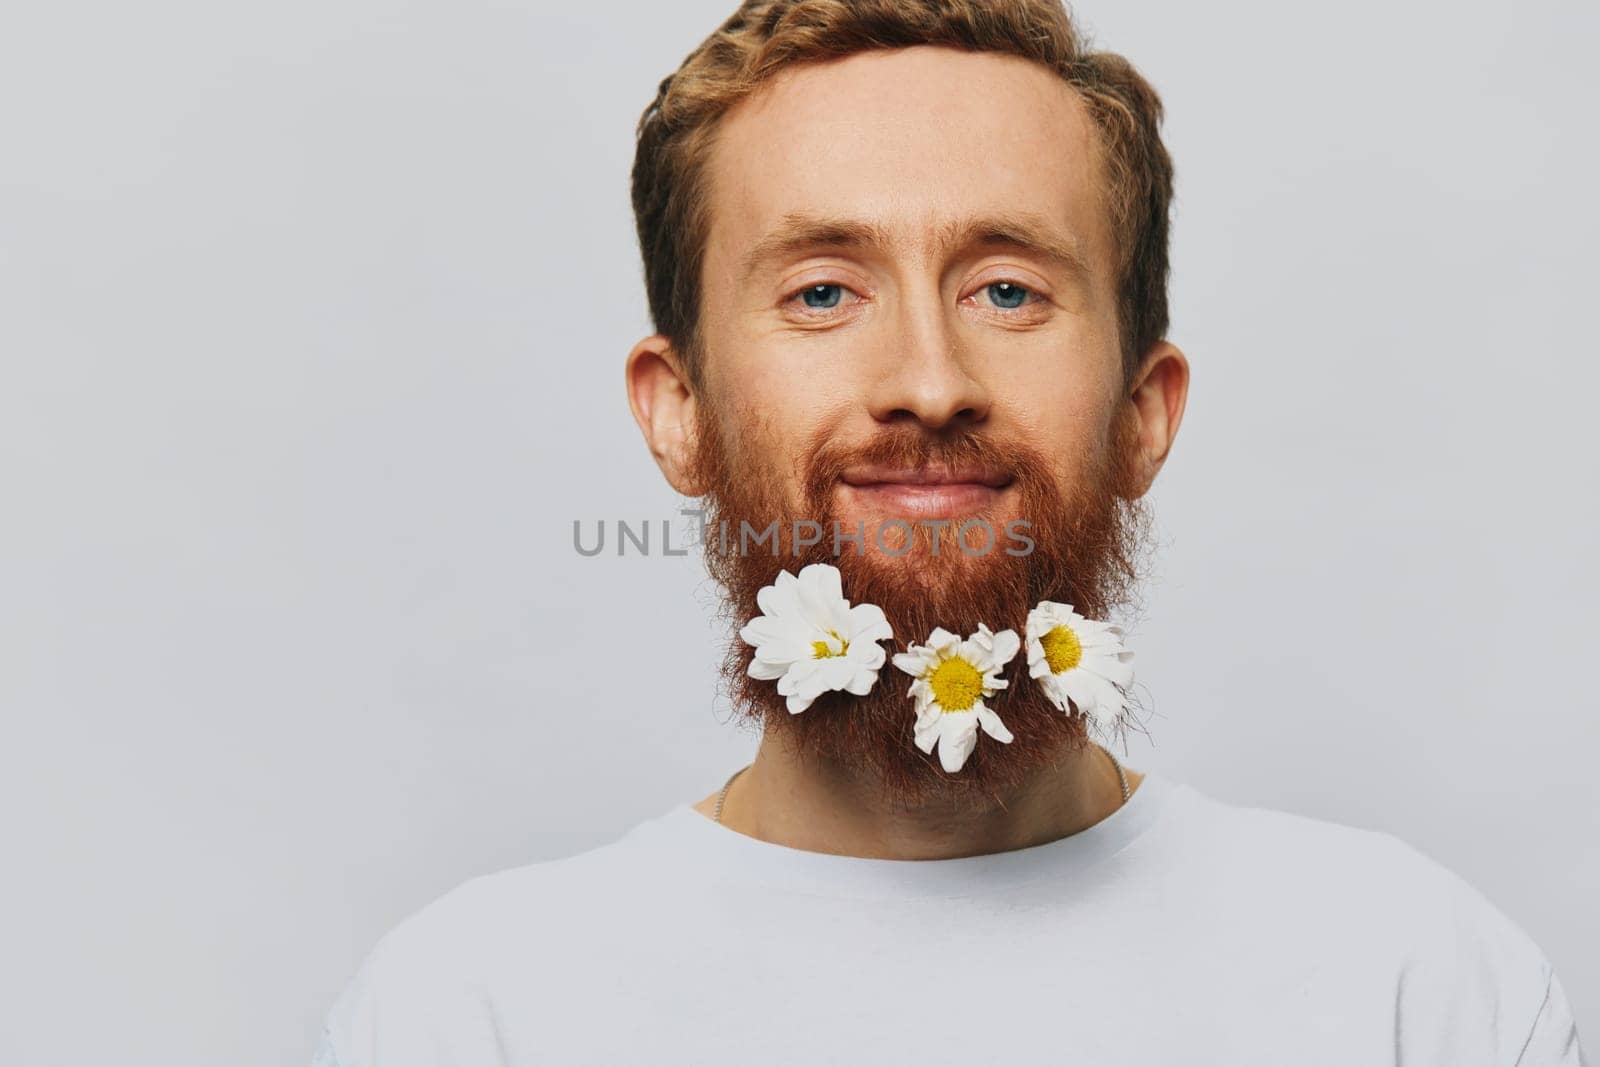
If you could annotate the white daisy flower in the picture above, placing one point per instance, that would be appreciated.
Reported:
(1082, 661)
(953, 678)
(811, 640)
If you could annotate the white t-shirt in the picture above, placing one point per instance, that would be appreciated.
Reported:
(1178, 930)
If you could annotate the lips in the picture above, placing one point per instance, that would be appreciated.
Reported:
(925, 492)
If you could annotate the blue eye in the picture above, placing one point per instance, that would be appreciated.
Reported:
(1007, 295)
(822, 296)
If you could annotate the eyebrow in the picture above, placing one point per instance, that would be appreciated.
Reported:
(799, 232)
(1026, 233)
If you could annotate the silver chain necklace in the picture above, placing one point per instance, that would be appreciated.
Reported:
(1122, 777)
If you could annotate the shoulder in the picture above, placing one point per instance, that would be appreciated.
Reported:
(1372, 877)
(1385, 909)
(430, 973)
(485, 911)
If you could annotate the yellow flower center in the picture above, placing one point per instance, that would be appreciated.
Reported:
(822, 650)
(956, 684)
(1061, 649)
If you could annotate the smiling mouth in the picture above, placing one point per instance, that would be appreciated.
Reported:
(925, 492)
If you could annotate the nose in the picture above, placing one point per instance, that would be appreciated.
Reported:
(925, 378)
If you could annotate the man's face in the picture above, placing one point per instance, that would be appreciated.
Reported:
(910, 239)
(908, 313)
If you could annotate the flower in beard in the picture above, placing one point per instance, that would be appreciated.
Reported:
(811, 640)
(1080, 662)
(952, 679)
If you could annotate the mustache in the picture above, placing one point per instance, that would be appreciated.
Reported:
(910, 448)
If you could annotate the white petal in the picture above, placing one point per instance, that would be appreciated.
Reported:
(765, 671)
(1105, 644)
(846, 673)
(839, 670)
(800, 671)
(1006, 644)
(867, 623)
(821, 601)
(1115, 669)
(1054, 690)
(770, 631)
(861, 682)
(1102, 694)
(822, 580)
(810, 688)
(783, 652)
(1082, 692)
(779, 597)
(1041, 620)
(867, 655)
(1056, 611)
(914, 662)
(1094, 630)
(991, 723)
(764, 629)
(926, 732)
(958, 737)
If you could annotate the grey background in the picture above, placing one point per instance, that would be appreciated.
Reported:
(313, 317)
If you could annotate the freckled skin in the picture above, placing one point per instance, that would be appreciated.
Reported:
(911, 141)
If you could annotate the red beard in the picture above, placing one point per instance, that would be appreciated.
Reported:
(1085, 553)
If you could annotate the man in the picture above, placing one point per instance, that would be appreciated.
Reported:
(907, 261)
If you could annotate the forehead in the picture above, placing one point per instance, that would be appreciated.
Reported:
(913, 141)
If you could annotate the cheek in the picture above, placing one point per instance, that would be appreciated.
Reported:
(1071, 445)
(1066, 417)
(1062, 412)
(770, 431)
(784, 377)
(772, 409)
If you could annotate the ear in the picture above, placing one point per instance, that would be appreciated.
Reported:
(1158, 395)
(663, 404)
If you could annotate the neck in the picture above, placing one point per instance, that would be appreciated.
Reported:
(788, 801)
